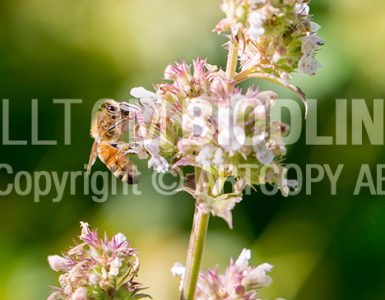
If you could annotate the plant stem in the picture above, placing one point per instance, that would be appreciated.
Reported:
(201, 219)
(232, 61)
(195, 254)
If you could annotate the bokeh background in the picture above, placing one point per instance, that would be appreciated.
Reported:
(322, 246)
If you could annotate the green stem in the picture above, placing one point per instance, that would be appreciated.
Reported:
(201, 219)
(195, 254)
(232, 61)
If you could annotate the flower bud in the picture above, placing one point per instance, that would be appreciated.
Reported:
(57, 263)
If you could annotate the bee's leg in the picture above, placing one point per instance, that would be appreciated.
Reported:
(133, 148)
(122, 146)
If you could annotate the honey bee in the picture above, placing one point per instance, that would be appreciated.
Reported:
(110, 123)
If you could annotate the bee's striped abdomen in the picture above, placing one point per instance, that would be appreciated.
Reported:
(117, 162)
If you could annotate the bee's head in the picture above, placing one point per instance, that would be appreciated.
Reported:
(110, 106)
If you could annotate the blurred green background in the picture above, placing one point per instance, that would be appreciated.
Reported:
(322, 246)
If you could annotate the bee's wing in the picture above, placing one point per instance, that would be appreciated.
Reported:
(93, 156)
(95, 133)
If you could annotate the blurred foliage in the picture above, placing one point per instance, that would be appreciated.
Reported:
(322, 246)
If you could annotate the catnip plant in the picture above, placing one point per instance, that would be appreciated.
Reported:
(200, 119)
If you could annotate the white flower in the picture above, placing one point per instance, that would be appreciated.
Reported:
(256, 30)
(115, 266)
(148, 101)
(314, 27)
(205, 156)
(57, 263)
(257, 139)
(287, 185)
(157, 162)
(178, 269)
(231, 136)
(119, 238)
(264, 155)
(80, 294)
(302, 9)
(218, 157)
(85, 230)
(310, 44)
(291, 183)
(259, 275)
(309, 65)
(243, 259)
(256, 19)
(142, 93)
(232, 140)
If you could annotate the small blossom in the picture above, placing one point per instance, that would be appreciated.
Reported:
(142, 93)
(88, 236)
(218, 157)
(178, 269)
(302, 9)
(115, 266)
(314, 27)
(79, 294)
(119, 239)
(240, 280)
(57, 263)
(243, 259)
(157, 162)
(97, 267)
(310, 44)
(256, 30)
(264, 155)
(205, 156)
(308, 65)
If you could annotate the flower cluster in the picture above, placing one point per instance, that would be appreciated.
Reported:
(200, 119)
(225, 134)
(275, 36)
(240, 280)
(97, 269)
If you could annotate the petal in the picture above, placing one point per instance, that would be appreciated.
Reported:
(140, 92)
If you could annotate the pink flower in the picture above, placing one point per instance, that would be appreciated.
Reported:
(97, 267)
(240, 280)
(200, 122)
